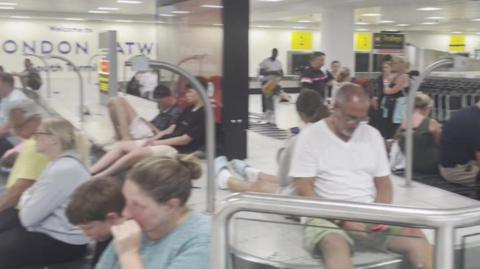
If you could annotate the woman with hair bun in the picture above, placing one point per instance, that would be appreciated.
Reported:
(161, 231)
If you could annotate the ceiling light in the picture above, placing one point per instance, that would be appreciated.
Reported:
(298, 27)
(429, 9)
(429, 23)
(7, 4)
(263, 26)
(476, 20)
(128, 21)
(362, 23)
(133, 2)
(98, 12)
(392, 30)
(361, 30)
(74, 19)
(212, 6)
(435, 18)
(108, 8)
(217, 24)
(385, 22)
(3, 7)
(166, 15)
(20, 17)
(180, 12)
(402, 25)
(457, 33)
(304, 21)
(371, 15)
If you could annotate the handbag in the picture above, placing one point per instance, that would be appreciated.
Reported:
(399, 110)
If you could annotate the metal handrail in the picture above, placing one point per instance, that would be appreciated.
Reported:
(409, 117)
(89, 65)
(444, 221)
(210, 126)
(80, 80)
(47, 70)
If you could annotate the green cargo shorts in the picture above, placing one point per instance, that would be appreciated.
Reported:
(317, 229)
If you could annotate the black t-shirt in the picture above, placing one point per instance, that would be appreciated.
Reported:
(460, 137)
(191, 123)
(315, 79)
(167, 117)
(100, 246)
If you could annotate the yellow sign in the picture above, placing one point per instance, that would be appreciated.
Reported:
(302, 41)
(363, 42)
(457, 43)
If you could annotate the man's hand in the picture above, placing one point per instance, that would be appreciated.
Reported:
(356, 229)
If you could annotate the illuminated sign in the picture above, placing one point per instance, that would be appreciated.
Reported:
(385, 41)
(363, 42)
(302, 41)
(457, 43)
(104, 75)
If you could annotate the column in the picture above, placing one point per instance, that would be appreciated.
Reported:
(337, 36)
(235, 77)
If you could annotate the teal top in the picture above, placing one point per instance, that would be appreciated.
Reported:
(186, 247)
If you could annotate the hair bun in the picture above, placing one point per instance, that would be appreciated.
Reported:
(191, 163)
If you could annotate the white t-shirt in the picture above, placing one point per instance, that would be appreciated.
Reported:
(342, 170)
(270, 65)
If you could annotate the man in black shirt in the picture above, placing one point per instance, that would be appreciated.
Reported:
(186, 136)
(313, 77)
(460, 147)
(129, 126)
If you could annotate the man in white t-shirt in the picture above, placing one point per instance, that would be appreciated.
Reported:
(271, 72)
(343, 158)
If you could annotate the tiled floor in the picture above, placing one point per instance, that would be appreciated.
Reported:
(99, 128)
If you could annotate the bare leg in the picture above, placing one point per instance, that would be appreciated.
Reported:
(268, 178)
(122, 115)
(23, 81)
(335, 252)
(418, 251)
(263, 186)
(119, 150)
(126, 161)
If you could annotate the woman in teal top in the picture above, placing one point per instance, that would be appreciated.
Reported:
(162, 232)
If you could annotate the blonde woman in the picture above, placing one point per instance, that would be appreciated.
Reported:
(342, 77)
(426, 136)
(392, 107)
(39, 233)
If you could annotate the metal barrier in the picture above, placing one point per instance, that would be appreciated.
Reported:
(210, 126)
(444, 221)
(80, 80)
(47, 70)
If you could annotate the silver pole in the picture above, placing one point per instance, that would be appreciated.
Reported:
(444, 252)
(409, 117)
(210, 127)
(90, 70)
(80, 80)
(47, 71)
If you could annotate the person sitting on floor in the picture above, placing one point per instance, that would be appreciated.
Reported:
(25, 119)
(39, 234)
(161, 230)
(129, 126)
(186, 136)
(9, 97)
(95, 207)
(311, 108)
(343, 158)
(426, 136)
(460, 147)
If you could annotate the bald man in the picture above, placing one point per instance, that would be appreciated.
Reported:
(343, 158)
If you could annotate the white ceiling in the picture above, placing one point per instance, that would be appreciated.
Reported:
(457, 15)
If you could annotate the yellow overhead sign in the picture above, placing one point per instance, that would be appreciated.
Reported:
(457, 43)
(363, 42)
(302, 41)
